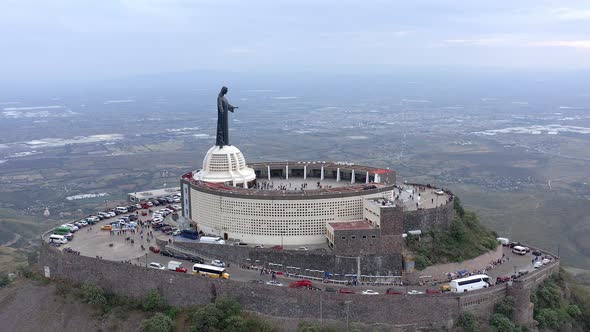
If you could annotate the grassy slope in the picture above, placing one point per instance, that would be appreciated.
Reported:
(465, 239)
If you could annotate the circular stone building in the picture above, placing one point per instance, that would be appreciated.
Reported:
(296, 203)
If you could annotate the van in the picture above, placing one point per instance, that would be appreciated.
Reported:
(503, 241)
(121, 209)
(172, 265)
(189, 234)
(54, 238)
(519, 250)
(209, 239)
(62, 230)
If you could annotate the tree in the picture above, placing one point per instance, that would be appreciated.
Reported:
(548, 318)
(501, 323)
(505, 307)
(158, 323)
(206, 318)
(153, 301)
(467, 323)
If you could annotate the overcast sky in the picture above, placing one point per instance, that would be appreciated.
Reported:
(106, 38)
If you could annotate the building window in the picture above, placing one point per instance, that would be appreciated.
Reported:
(344, 238)
(354, 237)
(364, 236)
(373, 236)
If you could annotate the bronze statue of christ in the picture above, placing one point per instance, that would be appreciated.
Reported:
(223, 107)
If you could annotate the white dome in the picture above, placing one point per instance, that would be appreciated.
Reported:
(223, 165)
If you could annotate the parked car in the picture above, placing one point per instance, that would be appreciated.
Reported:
(274, 283)
(154, 249)
(259, 246)
(538, 264)
(537, 253)
(196, 259)
(330, 290)
(278, 247)
(303, 248)
(433, 291)
(176, 232)
(393, 291)
(167, 253)
(301, 284)
(257, 281)
(181, 256)
(414, 292)
(500, 280)
(369, 292)
(546, 261)
(445, 288)
(217, 262)
(106, 228)
(158, 266)
(346, 291)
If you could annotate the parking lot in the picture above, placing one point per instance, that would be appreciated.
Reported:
(93, 242)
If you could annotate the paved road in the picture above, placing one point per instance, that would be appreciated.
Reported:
(91, 241)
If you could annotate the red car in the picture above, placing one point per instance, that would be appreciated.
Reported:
(145, 206)
(155, 249)
(432, 291)
(278, 247)
(181, 269)
(500, 280)
(346, 291)
(300, 284)
(392, 291)
(144, 213)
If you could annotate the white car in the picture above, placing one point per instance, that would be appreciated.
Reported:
(414, 292)
(259, 246)
(150, 204)
(369, 292)
(546, 261)
(111, 214)
(157, 219)
(176, 232)
(303, 248)
(72, 227)
(538, 264)
(218, 263)
(84, 222)
(157, 266)
(274, 283)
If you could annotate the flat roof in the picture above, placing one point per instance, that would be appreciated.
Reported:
(155, 193)
(348, 225)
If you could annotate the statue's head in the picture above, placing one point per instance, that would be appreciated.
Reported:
(223, 91)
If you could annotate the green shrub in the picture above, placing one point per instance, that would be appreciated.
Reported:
(505, 307)
(502, 323)
(93, 295)
(158, 323)
(548, 318)
(467, 323)
(153, 301)
(4, 281)
(226, 315)
(573, 311)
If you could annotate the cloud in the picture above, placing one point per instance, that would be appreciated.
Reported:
(562, 43)
(493, 41)
(240, 50)
(568, 14)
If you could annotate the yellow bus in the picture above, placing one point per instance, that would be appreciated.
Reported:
(210, 271)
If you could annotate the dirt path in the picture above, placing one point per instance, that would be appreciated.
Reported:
(13, 241)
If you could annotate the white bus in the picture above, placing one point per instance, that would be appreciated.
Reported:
(210, 271)
(58, 239)
(471, 283)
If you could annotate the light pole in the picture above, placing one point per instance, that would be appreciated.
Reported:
(146, 259)
(347, 313)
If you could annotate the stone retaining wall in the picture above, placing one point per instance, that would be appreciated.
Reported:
(409, 312)
(439, 272)
(376, 264)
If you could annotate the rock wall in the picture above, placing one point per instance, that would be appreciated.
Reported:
(408, 312)
(376, 264)
(439, 272)
(441, 216)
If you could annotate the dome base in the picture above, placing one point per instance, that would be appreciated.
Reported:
(225, 165)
